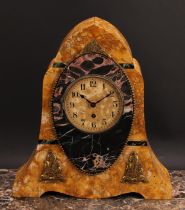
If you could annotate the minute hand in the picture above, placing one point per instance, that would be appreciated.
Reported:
(103, 98)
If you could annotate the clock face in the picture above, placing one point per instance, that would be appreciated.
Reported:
(93, 104)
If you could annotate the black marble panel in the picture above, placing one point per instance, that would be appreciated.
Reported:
(92, 153)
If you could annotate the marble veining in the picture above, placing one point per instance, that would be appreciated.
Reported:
(92, 153)
(57, 201)
(108, 183)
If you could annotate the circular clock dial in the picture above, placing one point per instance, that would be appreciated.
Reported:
(93, 104)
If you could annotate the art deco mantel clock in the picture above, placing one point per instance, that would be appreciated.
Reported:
(92, 141)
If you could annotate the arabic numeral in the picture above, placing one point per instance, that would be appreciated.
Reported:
(111, 92)
(75, 115)
(82, 86)
(75, 94)
(72, 105)
(104, 122)
(115, 104)
(93, 125)
(83, 121)
(93, 83)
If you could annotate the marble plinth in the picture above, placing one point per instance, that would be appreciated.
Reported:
(56, 201)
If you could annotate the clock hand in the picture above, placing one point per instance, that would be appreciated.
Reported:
(82, 96)
(104, 97)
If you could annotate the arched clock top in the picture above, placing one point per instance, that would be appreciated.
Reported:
(95, 29)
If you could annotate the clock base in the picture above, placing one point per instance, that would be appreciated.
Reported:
(146, 176)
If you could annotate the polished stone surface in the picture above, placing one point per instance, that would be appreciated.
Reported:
(56, 201)
(98, 154)
(92, 153)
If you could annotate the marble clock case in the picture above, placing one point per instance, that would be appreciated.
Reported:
(112, 163)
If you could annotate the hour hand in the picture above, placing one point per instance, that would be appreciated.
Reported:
(92, 104)
(82, 96)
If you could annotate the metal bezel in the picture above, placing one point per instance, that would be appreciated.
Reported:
(93, 76)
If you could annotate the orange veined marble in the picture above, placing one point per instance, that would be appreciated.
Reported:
(109, 183)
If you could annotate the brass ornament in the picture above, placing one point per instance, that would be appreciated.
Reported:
(51, 169)
(93, 47)
(133, 170)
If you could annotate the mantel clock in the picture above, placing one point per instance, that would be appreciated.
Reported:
(92, 141)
